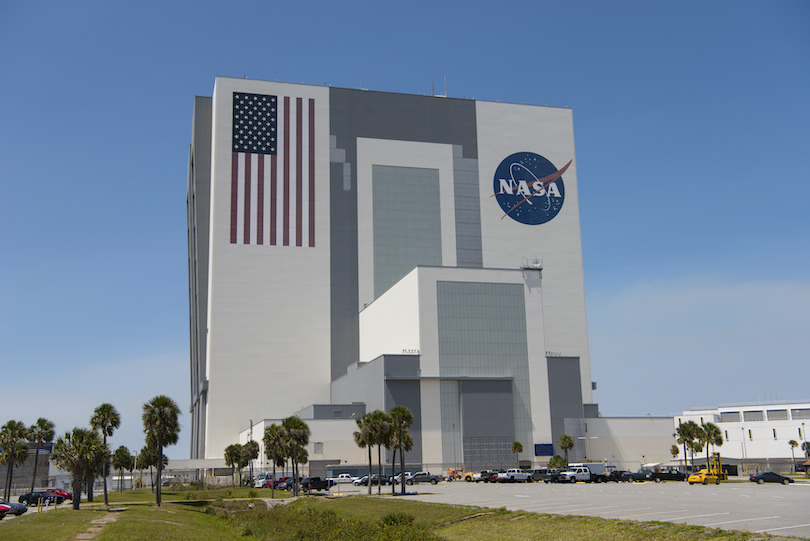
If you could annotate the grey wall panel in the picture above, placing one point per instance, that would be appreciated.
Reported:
(565, 394)
(407, 393)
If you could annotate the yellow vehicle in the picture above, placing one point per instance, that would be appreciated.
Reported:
(705, 477)
(711, 474)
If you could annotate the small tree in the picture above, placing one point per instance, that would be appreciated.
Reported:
(233, 456)
(162, 428)
(77, 453)
(274, 450)
(121, 460)
(40, 432)
(517, 448)
(13, 449)
(106, 420)
(674, 451)
(565, 443)
(401, 420)
(793, 444)
(557, 462)
(250, 452)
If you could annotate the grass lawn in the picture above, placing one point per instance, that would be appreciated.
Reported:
(60, 525)
(352, 518)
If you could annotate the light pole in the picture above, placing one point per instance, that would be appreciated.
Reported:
(333, 474)
(587, 444)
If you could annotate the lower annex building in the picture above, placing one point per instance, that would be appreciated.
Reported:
(352, 250)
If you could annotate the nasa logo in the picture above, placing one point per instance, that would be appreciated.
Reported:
(529, 188)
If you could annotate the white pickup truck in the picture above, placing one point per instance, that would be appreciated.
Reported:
(342, 479)
(574, 474)
(515, 476)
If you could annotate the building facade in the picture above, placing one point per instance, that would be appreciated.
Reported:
(757, 436)
(348, 246)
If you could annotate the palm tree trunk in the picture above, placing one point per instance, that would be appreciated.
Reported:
(402, 467)
(34, 476)
(379, 468)
(393, 468)
(370, 469)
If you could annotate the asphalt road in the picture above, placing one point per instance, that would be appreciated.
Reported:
(769, 508)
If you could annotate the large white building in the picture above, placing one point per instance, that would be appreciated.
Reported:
(352, 250)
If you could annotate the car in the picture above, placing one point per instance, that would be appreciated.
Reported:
(769, 477)
(704, 477)
(668, 474)
(33, 498)
(3, 510)
(423, 477)
(617, 475)
(66, 495)
(13, 508)
(553, 476)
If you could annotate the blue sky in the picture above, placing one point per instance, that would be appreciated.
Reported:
(691, 123)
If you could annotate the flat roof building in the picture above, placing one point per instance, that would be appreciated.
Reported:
(349, 246)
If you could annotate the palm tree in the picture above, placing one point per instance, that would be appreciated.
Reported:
(380, 436)
(517, 448)
(13, 450)
(793, 444)
(250, 452)
(674, 451)
(712, 436)
(121, 460)
(233, 455)
(401, 420)
(274, 450)
(365, 438)
(40, 432)
(566, 443)
(162, 428)
(687, 435)
(295, 434)
(77, 452)
(105, 419)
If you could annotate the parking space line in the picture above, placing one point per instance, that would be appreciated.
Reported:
(740, 520)
(700, 516)
(658, 513)
(783, 528)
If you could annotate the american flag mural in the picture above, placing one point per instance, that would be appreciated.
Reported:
(273, 170)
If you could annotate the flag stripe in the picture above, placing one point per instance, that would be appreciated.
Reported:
(260, 200)
(299, 188)
(311, 173)
(273, 199)
(247, 200)
(234, 195)
(286, 179)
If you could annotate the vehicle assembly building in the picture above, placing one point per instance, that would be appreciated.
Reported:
(352, 250)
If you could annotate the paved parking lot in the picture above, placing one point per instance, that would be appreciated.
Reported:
(770, 508)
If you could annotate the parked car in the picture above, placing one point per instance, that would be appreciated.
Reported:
(66, 495)
(515, 475)
(315, 483)
(287, 485)
(769, 477)
(3, 510)
(553, 476)
(13, 508)
(668, 474)
(423, 477)
(33, 498)
(617, 475)
(704, 477)
(537, 475)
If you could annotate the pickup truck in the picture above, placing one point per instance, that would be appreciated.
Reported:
(572, 475)
(343, 479)
(515, 475)
(315, 483)
(422, 477)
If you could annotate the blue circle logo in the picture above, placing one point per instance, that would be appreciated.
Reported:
(529, 188)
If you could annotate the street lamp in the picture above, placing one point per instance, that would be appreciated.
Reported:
(333, 474)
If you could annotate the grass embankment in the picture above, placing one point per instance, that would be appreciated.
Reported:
(355, 518)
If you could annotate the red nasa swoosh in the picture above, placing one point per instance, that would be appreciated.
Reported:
(545, 180)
